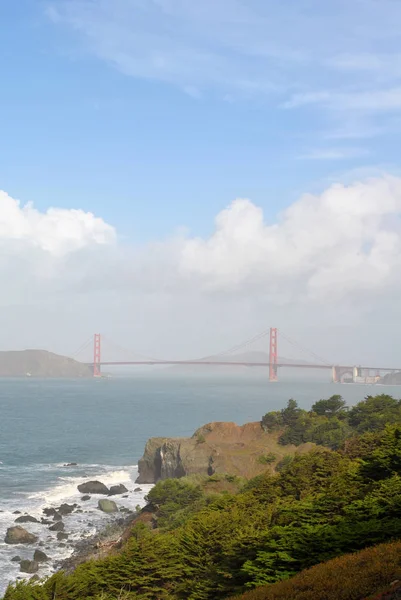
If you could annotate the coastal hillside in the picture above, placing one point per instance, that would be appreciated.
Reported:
(40, 363)
(211, 537)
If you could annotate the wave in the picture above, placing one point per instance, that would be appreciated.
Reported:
(60, 486)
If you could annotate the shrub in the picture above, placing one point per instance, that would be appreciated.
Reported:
(267, 459)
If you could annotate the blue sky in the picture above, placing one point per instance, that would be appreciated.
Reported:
(91, 119)
(155, 116)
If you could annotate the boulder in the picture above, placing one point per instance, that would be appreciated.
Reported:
(62, 536)
(26, 519)
(66, 509)
(71, 465)
(57, 517)
(58, 526)
(138, 489)
(40, 556)
(107, 506)
(45, 521)
(29, 566)
(50, 512)
(85, 498)
(19, 535)
(16, 559)
(117, 489)
(17, 512)
(93, 487)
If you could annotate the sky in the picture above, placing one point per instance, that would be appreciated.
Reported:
(181, 175)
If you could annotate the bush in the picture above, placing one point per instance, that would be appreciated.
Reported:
(267, 459)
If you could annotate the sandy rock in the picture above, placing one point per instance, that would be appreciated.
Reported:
(107, 506)
(19, 535)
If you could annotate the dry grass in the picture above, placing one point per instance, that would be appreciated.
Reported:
(351, 577)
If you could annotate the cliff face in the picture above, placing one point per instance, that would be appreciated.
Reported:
(40, 363)
(214, 448)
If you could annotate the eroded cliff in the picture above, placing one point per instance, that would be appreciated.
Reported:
(245, 450)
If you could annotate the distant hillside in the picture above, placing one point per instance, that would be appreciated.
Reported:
(392, 379)
(40, 363)
(249, 357)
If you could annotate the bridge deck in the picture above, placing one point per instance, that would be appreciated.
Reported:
(213, 363)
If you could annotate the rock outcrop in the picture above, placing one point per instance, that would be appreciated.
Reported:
(214, 448)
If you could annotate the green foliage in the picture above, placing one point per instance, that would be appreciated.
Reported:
(267, 459)
(175, 499)
(330, 423)
(334, 406)
(375, 413)
(284, 463)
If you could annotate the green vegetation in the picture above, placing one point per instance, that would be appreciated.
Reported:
(212, 540)
(267, 459)
(330, 422)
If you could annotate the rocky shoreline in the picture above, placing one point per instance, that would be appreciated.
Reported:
(33, 546)
(97, 546)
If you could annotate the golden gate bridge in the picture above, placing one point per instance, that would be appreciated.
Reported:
(339, 373)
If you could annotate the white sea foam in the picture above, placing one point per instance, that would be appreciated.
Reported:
(77, 525)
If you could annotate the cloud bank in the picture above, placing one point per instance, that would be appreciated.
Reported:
(346, 239)
(329, 260)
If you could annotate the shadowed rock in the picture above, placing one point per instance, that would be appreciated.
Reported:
(40, 556)
(117, 489)
(29, 566)
(59, 526)
(26, 519)
(93, 487)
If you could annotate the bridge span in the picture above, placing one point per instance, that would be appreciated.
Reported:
(339, 373)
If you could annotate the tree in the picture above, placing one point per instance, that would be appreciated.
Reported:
(334, 406)
(374, 413)
(290, 413)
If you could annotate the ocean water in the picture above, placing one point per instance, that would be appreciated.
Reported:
(103, 426)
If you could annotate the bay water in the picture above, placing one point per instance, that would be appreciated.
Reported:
(102, 425)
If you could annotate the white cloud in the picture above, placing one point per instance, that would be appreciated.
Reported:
(57, 231)
(258, 46)
(329, 245)
(349, 233)
(370, 101)
(334, 255)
